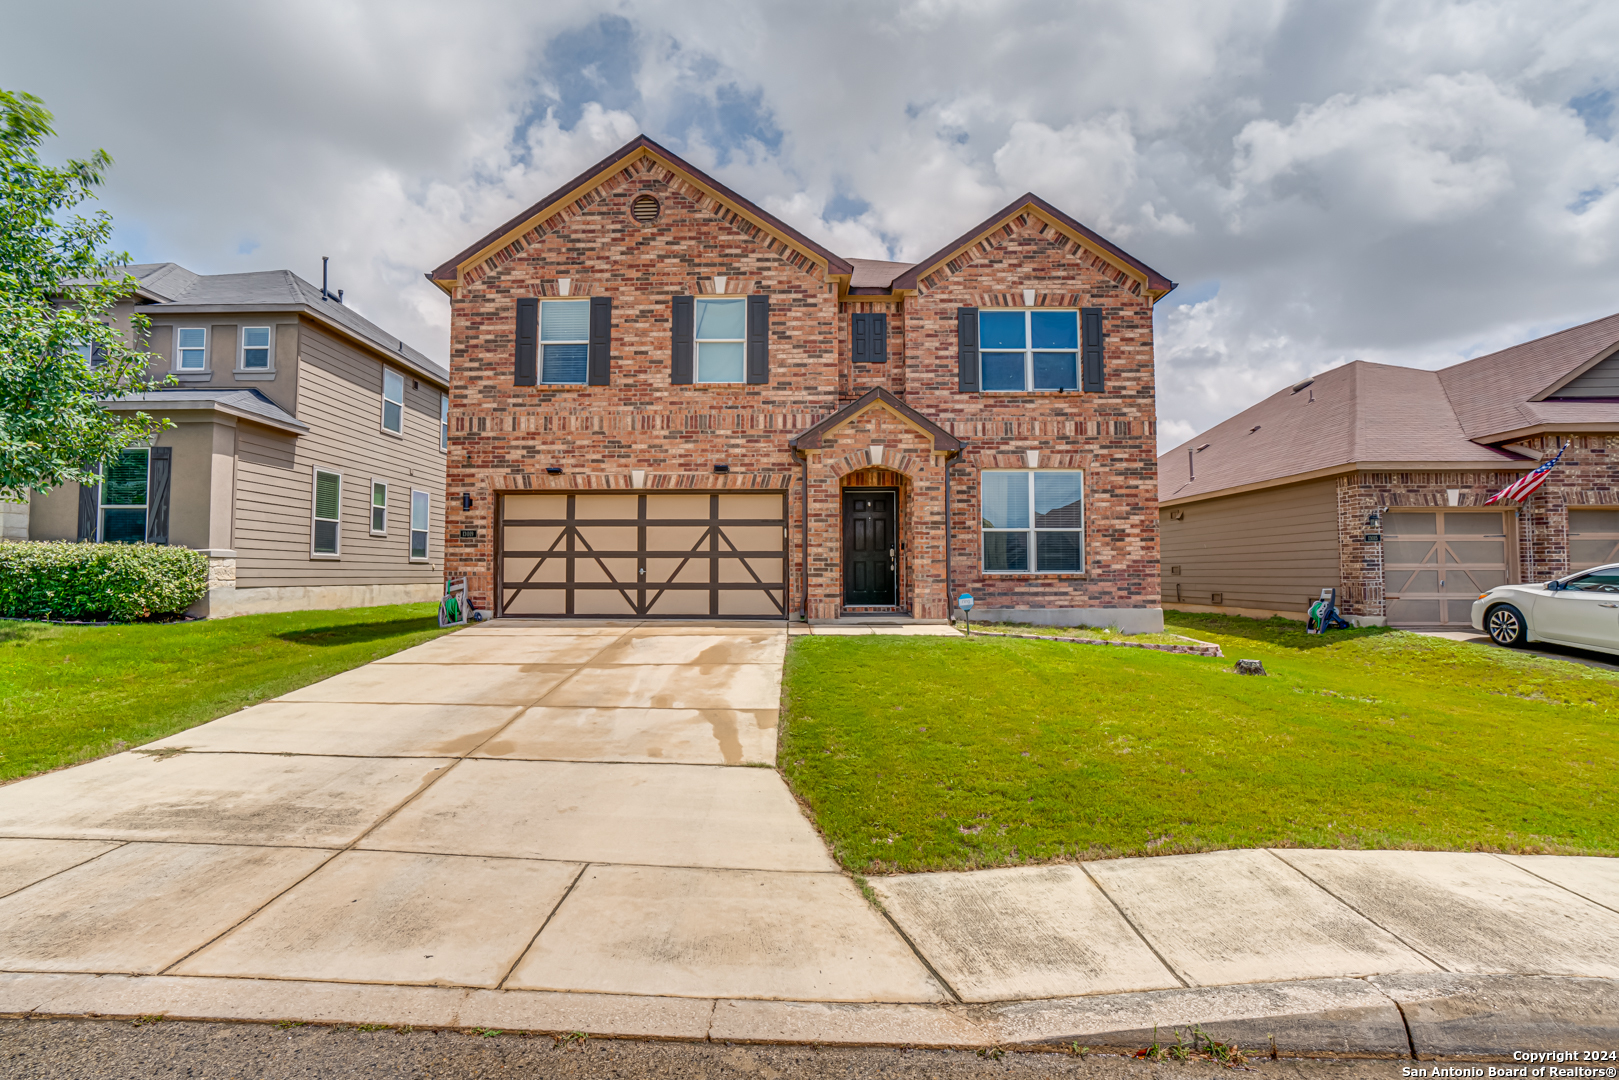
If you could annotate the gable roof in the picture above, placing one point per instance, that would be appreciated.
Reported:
(1359, 415)
(171, 287)
(1508, 393)
(1156, 284)
(810, 437)
(874, 275)
(447, 275)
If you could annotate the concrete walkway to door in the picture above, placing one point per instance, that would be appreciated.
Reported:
(566, 827)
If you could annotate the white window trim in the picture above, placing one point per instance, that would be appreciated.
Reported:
(315, 471)
(1034, 555)
(444, 422)
(372, 508)
(382, 420)
(241, 351)
(697, 343)
(1029, 350)
(146, 507)
(177, 369)
(541, 343)
(427, 533)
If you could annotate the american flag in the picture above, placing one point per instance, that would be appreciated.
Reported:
(1527, 484)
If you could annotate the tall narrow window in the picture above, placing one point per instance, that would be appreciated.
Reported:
(191, 348)
(325, 512)
(1033, 521)
(444, 421)
(721, 332)
(1029, 350)
(255, 348)
(418, 526)
(123, 499)
(379, 508)
(393, 401)
(564, 342)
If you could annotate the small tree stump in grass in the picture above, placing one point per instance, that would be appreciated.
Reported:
(1250, 667)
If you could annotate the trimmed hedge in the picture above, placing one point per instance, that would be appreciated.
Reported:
(114, 582)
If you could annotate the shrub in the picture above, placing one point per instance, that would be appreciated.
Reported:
(117, 582)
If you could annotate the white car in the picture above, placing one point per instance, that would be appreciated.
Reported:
(1580, 610)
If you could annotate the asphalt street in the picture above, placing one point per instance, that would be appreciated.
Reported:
(122, 1050)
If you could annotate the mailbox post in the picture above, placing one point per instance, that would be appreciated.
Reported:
(965, 603)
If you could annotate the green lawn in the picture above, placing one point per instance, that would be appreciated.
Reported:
(942, 753)
(71, 693)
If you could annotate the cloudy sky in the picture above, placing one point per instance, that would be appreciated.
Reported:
(1404, 182)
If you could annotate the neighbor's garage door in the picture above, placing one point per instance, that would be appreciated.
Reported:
(1437, 562)
(685, 555)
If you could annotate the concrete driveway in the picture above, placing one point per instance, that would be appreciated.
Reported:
(578, 828)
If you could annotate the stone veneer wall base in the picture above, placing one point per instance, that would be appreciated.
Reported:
(1128, 620)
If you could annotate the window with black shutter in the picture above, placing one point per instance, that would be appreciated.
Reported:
(868, 337)
(1091, 354)
(528, 326)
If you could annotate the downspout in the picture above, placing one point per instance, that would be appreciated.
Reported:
(949, 587)
(803, 534)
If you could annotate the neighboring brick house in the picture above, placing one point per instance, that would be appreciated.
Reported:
(1372, 479)
(306, 456)
(655, 383)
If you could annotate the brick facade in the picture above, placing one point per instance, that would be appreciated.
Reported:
(643, 432)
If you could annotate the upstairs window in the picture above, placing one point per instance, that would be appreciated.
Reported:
(393, 401)
(444, 421)
(1033, 521)
(379, 508)
(721, 330)
(564, 342)
(123, 498)
(418, 525)
(191, 348)
(1029, 350)
(255, 348)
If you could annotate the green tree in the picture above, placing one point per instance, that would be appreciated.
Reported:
(59, 281)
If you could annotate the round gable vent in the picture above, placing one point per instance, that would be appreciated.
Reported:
(644, 209)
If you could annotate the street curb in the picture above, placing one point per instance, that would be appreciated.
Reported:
(1431, 1017)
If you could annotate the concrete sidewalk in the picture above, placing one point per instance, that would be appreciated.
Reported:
(556, 827)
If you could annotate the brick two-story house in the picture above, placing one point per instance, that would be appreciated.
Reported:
(655, 384)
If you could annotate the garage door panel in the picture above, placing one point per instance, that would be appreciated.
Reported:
(1437, 562)
(704, 553)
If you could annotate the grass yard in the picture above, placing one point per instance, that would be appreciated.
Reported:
(71, 693)
(921, 753)
(1093, 633)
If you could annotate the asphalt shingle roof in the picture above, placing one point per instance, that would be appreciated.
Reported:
(240, 401)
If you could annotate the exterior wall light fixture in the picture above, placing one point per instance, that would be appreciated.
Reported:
(722, 468)
(554, 470)
(466, 500)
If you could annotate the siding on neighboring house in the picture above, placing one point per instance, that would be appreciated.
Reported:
(1261, 551)
(340, 398)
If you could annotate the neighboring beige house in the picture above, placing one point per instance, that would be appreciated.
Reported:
(307, 456)
(1372, 479)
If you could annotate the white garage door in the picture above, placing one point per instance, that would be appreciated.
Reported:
(663, 555)
(1437, 562)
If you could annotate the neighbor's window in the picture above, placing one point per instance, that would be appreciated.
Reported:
(418, 525)
(1034, 521)
(444, 421)
(393, 401)
(255, 348)
(325, 512)
(191, 348)
(721, 332)
(1029, 350)
(123, 499)
(564, 341)
(379, 508)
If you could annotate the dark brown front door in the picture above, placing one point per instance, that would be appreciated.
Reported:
(869, 547)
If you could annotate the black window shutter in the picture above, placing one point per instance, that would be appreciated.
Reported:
(1091, 358)
(681, 318)
(157, 494)
(601, 341)
(879, 339)
(860, 338)
(89, 504)
(528, 333)
(967, 349)
(758, 339)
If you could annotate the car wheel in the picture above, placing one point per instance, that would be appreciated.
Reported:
(1506, 626)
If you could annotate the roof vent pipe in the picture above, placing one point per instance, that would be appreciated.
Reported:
(325, 293)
